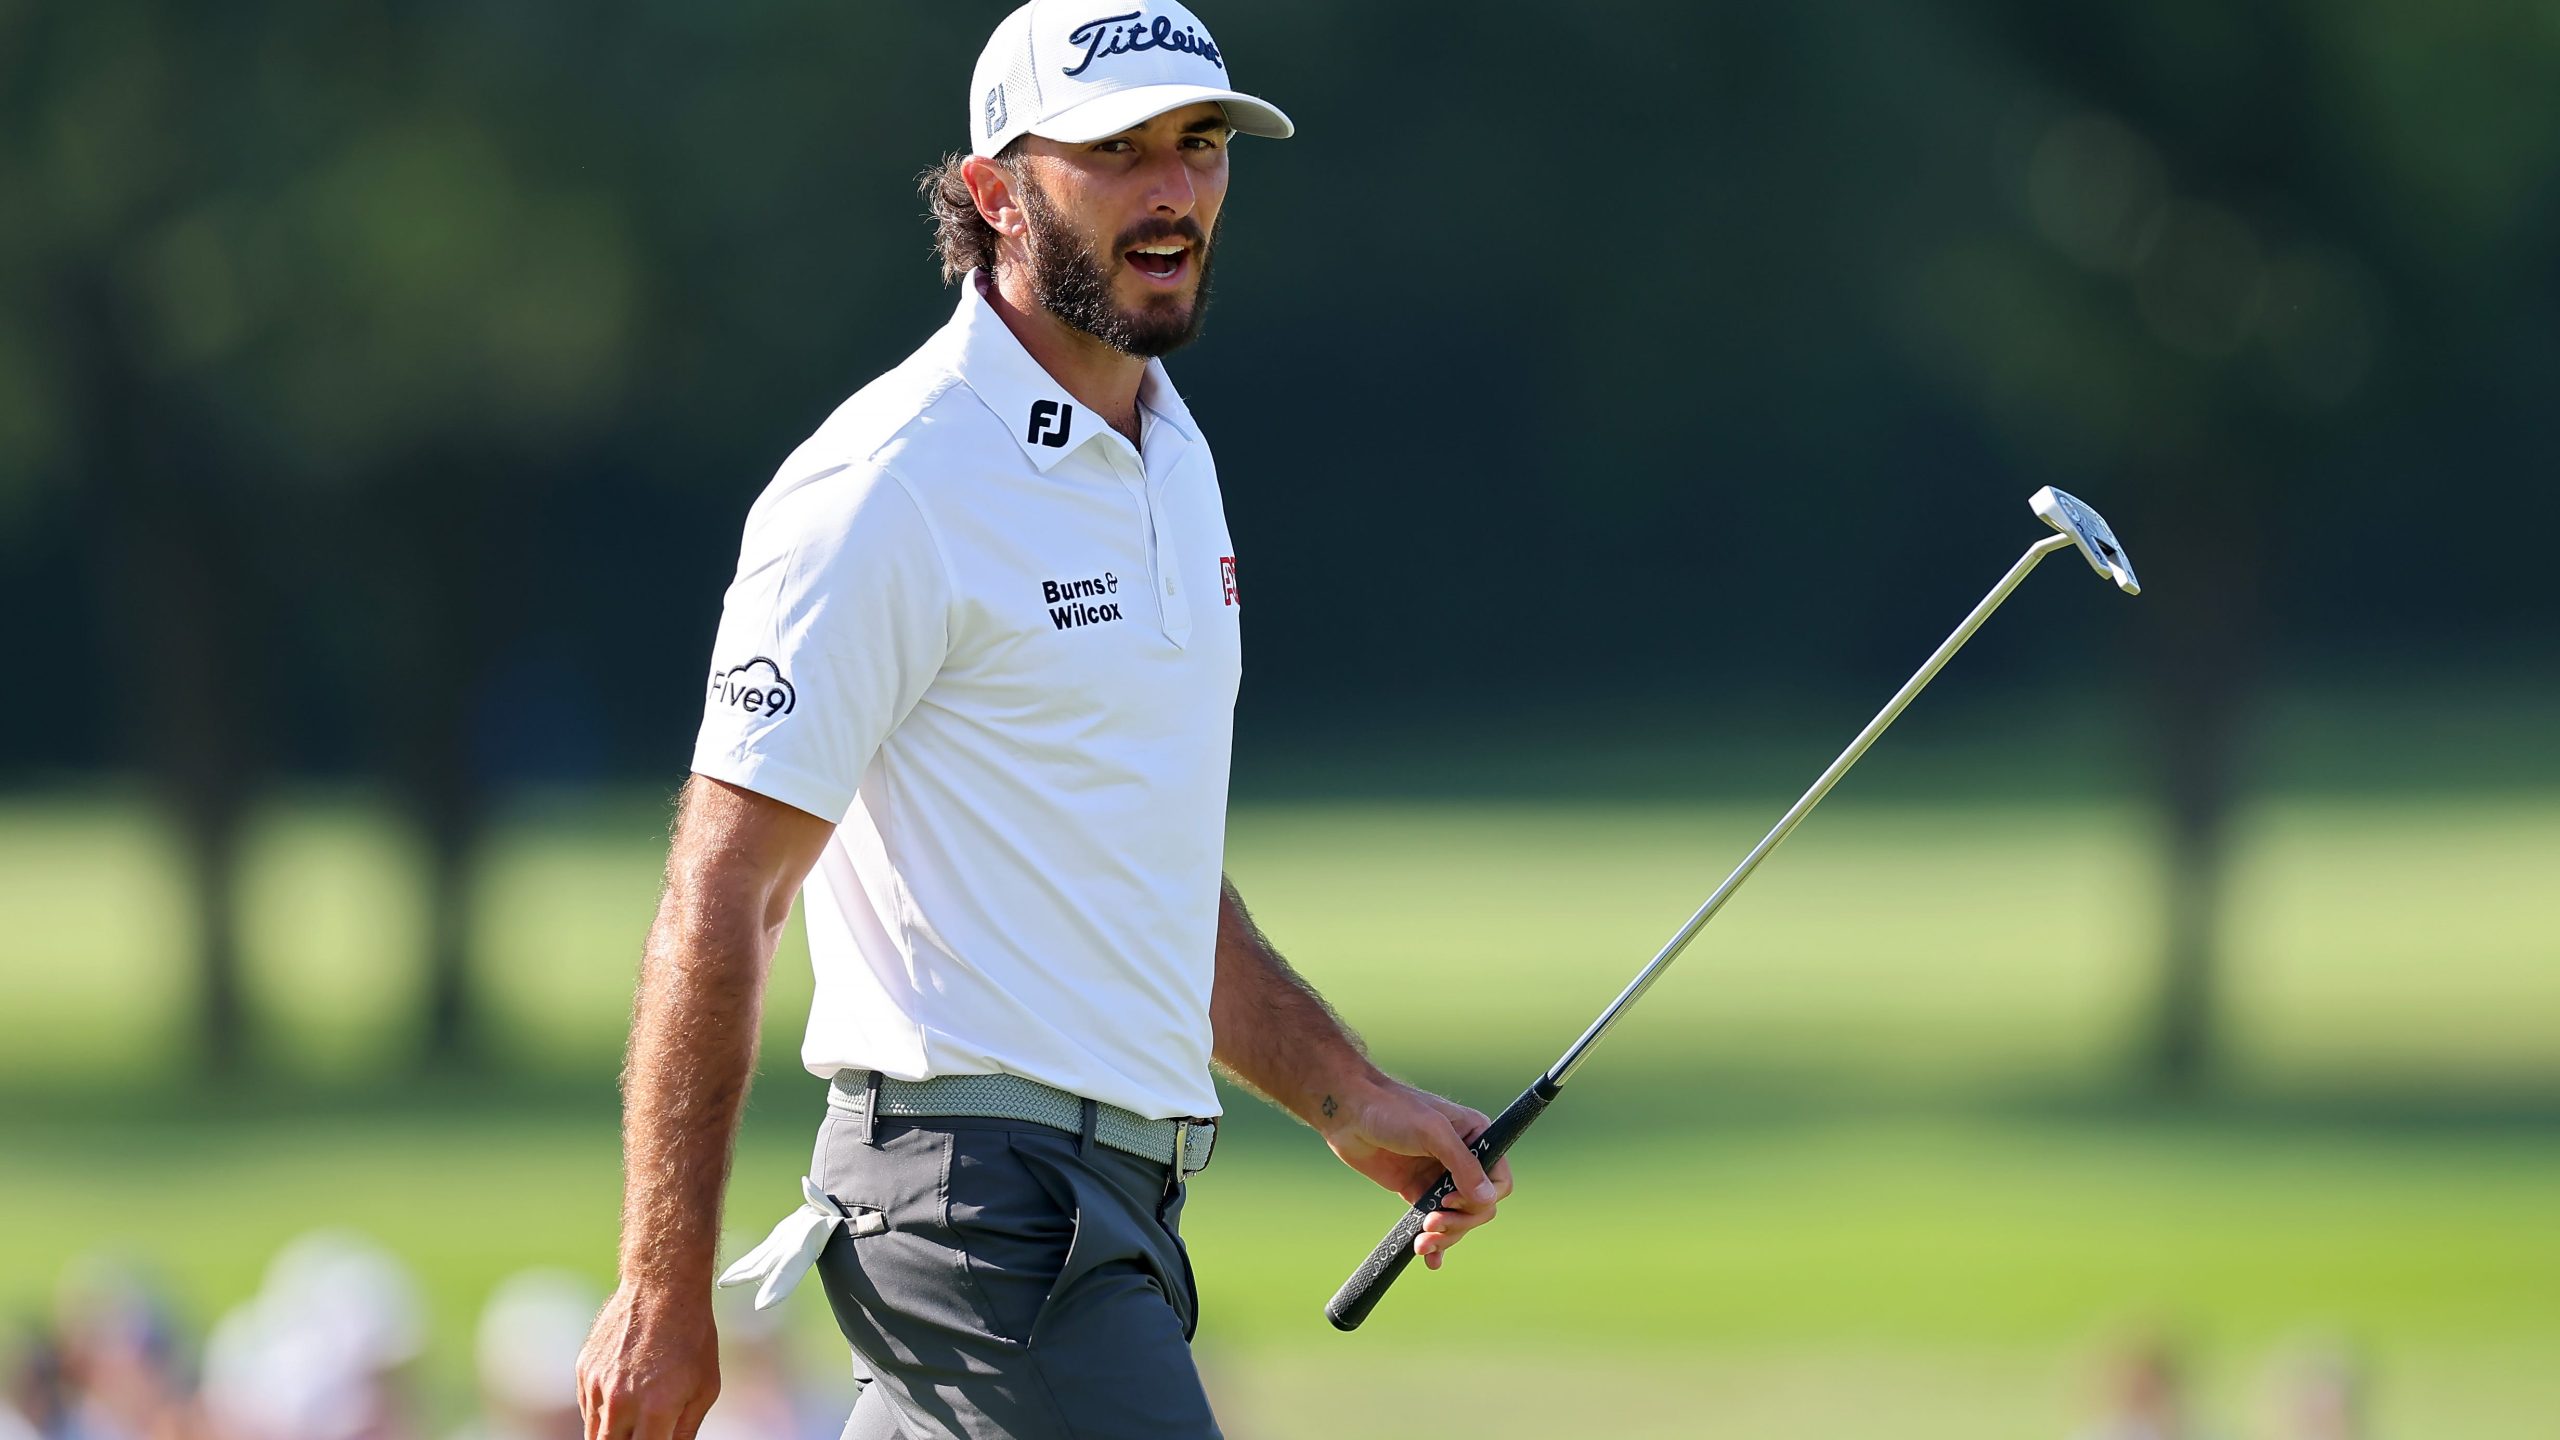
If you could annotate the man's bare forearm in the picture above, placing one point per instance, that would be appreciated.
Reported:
(694, 1027)
(1277, 1035)
(651, 1365)
(1274, 1032)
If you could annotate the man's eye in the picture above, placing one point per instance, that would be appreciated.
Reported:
(1112, 147)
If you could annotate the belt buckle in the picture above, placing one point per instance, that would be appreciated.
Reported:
(1181, 1150)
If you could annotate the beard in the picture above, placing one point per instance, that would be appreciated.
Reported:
(1074, 284)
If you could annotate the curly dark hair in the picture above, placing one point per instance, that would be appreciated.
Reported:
(961, 236)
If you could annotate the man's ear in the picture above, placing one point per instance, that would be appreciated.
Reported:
(996, 193)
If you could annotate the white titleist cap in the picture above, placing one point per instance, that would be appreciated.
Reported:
(1082, 70)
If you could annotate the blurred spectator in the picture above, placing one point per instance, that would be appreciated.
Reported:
(530, 1334)
(2144, 1398)
(323, 1351)
(114, 1369)
(36, 1401)
(31, 1400)
(328, 1348)
(2319, 1393)
(762, 1396)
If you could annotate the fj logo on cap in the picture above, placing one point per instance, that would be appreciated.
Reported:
(1113, 35)
(1050, 422)
(995, 109)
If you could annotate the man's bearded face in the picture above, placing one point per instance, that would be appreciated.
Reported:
(1075, 280)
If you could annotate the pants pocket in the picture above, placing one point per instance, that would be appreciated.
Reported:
(898, 1287)
(1014, 1227)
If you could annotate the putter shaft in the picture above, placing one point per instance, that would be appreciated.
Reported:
(2078, 525)
(1563, 1069)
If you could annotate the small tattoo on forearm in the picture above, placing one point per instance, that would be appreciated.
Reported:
(1330, 1107)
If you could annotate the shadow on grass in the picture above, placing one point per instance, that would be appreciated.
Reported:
(1614, 1104)
(2437, 737)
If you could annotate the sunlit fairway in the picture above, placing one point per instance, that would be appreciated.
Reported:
(1864, 1164)
(2379, 944)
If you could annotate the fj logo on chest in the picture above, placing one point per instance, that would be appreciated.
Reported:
(1081, 602)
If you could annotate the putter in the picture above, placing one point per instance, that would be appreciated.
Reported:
(2079, 525)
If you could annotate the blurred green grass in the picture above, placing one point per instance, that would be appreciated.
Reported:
(1897, 1252)
(1869, 1151)
(2377, 944)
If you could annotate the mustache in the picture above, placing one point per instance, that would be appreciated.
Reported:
(1149, 232)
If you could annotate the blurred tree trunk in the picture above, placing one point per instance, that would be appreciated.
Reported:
(184, 585)
(437, 594)
(2203, 515)
(444, 800)
(176, 570)
(2201, 663)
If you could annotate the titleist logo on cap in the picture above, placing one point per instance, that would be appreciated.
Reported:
(1112, 35)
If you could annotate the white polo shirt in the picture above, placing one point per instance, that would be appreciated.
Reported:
(998, 645)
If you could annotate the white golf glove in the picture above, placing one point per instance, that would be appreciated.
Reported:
(793, 1247)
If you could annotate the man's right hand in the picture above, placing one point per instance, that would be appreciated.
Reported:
(651, 1367)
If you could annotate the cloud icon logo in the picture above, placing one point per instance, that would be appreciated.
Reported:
(756, 687)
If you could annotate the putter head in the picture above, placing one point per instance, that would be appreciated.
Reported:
(2097, 543)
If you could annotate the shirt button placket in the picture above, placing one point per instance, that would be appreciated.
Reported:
(1177, 608)
(1162, 555)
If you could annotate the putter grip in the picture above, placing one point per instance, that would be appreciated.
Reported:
(1360, 1294)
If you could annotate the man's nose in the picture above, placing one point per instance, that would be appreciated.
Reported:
(1170, 192)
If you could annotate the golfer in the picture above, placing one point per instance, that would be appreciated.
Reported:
(971, 699)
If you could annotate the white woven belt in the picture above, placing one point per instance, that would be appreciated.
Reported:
(775, 1267)
(1011, 1097)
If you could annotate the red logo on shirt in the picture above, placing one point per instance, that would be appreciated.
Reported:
(1227, 576)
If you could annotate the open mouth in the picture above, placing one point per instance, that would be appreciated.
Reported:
(1162, 264)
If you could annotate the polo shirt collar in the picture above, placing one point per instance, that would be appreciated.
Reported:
(1045, 421)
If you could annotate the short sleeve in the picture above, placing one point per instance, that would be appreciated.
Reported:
(837, 622)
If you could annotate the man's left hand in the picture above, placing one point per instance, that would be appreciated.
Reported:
(1403, 1138)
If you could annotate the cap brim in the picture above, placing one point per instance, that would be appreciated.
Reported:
(1104, 116)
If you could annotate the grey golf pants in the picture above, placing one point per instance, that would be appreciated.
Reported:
(1028, 1284)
